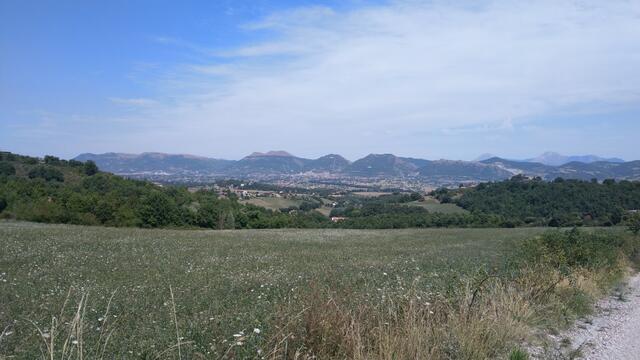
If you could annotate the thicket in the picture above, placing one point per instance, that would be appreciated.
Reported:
(60, 191)
(558, 203)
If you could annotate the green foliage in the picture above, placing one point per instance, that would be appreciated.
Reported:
(7, 169)
(519, 354)
(3, 204)
(558, 203)
(633, 223)
(575, 248)
(51, 160)
(106, 199)
(90, 168)
(47, 173)
(157, 209)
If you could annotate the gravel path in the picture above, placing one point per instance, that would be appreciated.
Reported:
(614, 332)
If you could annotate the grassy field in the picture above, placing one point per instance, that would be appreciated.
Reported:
(273, 203)
(223, 282)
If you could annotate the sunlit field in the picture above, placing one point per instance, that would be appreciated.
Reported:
(224, 283)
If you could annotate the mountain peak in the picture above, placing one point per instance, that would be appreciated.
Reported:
(485, 156)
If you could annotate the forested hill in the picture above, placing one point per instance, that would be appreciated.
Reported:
(60, 191)
(558, 203)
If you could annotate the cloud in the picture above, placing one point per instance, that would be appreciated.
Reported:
(133, 101)
(405, 67)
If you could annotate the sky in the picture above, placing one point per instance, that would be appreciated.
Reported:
(224, 78)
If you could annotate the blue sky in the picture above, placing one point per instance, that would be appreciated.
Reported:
(224, 78)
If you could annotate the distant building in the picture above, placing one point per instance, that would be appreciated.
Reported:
(338, 218)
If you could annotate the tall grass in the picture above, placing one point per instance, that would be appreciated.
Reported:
(374, 295)
(550, 282)
(64, 338)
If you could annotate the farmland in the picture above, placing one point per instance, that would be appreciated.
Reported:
(223, 282)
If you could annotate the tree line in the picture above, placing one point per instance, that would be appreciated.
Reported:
(561, 202)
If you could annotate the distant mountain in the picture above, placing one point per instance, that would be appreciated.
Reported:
(328, 163)
(276, 163)
(573, 170)
(601, 170)
(484, 156)
(464, 169)
(271, 162)
(555, 159)
(120, 163)
(383, 165)
(520, 167)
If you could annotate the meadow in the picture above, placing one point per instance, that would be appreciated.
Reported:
(216, 293)
(273, 203)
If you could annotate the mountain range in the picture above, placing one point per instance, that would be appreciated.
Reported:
(281, 163)
(556, 159)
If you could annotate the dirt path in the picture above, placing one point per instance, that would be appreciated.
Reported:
(614, 332)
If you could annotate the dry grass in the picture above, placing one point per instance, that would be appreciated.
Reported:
(64, 338)
(489, 317)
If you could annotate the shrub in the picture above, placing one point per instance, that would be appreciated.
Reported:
(90, 168)
(7, 169)
(573, 249)
(633, 223)
(47, 173)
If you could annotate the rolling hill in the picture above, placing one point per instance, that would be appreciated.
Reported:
(281, 163)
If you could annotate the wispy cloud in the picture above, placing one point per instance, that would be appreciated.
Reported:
(408, 65)
(134, 101)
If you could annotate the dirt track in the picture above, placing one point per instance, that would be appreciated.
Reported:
(614, 332)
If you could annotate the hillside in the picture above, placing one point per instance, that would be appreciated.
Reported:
(120, 163)
(555, 159)
(281, 163)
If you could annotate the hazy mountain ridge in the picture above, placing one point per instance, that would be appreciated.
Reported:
(275, 163)
(556, 159)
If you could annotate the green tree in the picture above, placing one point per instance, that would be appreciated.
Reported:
(90, 168)
(7, 169)
(46, 172)
(51, 160)
(3, 204)
(157, 209)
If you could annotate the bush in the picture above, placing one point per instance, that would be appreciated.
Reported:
(90, 168)
(47, 173)
(156, 210)
(633, 223)
(568, 250)
(3, 204)
(7, 169)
